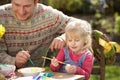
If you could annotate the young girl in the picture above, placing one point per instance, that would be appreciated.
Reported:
(78, 52)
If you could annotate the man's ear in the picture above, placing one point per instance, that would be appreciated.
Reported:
(36, 1)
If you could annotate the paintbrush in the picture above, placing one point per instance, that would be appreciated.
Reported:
(51, 59)
(29, 58)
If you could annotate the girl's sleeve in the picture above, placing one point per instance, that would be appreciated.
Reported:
(60, 57)
(86, 67)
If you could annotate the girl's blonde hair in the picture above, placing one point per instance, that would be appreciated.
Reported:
(80, 29)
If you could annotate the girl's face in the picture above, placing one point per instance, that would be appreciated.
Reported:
(23, 9)
(75, 44)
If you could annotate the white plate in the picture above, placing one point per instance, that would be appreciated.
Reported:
(31, 71)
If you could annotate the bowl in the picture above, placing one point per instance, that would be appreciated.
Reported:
(7, 69)
(31, 71)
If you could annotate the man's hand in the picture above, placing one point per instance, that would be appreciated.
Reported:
(21, 58)
(57, 43)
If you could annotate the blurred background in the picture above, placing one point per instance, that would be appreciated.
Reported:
(102, 14)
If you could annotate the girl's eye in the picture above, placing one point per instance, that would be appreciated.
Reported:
(77, 40)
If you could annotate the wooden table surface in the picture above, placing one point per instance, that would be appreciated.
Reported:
(65, 76)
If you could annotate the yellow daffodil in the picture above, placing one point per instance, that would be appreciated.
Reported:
(117, 46)
(2, 30)
(109, 48)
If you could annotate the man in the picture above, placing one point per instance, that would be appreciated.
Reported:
(30, 26)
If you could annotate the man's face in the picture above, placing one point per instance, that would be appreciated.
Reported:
(23, 9)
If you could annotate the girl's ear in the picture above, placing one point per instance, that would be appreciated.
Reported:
(85, 42)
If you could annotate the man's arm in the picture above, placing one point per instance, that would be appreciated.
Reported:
(5, 58)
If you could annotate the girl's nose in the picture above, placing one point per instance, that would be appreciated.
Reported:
(73, 42)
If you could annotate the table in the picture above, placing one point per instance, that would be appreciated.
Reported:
(59, 76)
(65, 76)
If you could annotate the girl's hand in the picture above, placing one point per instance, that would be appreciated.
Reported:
(70, 68)
(54, 62)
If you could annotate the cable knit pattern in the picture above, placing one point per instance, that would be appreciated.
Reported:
(34, 34)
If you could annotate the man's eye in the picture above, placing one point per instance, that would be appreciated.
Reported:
(16, 5)
(27, 6)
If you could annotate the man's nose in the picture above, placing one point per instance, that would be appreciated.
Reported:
(21, 10)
